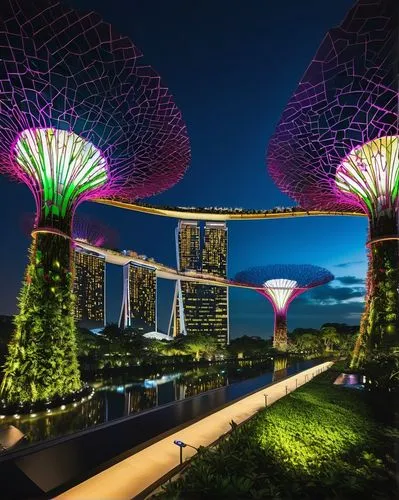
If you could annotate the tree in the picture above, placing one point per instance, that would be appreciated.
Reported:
(308, 342)
(330, 338)
(200, 345)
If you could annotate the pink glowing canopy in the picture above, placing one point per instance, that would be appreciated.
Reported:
(347, 98)
(281, 283)
(62, 70)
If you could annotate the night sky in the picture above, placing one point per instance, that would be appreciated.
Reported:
(232, 66)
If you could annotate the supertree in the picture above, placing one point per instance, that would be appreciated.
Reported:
(92, 231)
(336, 147)
(281, 284)
(80, 117)
(85, 228)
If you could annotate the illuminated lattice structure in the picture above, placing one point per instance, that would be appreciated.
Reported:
(281, 284)
(336, 147)
(89, 230)
(81, 117)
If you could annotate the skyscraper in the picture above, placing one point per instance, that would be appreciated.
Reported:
(89, 288)
(201, 308)
(139, 303)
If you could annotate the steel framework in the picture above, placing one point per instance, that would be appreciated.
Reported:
(336, 148)
(281, 284)
(81, 117)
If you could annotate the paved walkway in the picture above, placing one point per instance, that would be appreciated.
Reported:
(131, 476)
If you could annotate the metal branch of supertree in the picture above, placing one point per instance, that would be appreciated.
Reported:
(336, 147)
(92, 231)
(280, 284)
(85, 228)
(347, 98)
(80, 117)
(72, 87)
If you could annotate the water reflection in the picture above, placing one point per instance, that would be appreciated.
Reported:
(118, 396)
(280, 366)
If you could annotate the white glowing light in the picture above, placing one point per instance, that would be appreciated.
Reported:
(63, 407)
(280, 291)
(64, 164)
(371, 173)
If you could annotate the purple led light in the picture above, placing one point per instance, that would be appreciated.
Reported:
(281, 284)
(70, 71)
(289, 279)
(347, 98)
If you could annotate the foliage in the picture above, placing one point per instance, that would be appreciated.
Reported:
(332, 338)
(382, 371)
(199, 346)
(42, 361)
(318, 442)
(379, 327)
(249, 346)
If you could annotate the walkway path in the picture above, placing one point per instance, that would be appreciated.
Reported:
(131, 476)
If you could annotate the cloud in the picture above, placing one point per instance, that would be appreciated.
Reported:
(348, 264)
(350, 280)
(327, 294)
(300, 315)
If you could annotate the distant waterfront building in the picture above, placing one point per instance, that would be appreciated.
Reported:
(139, 302)
(89, 288)
(201, 308)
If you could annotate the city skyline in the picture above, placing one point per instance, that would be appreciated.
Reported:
(228, 160)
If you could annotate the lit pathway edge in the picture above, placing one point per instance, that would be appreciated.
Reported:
(128, 478)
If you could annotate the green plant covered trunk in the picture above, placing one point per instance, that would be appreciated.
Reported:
(379, 328)
(42, 359)
(280, 331)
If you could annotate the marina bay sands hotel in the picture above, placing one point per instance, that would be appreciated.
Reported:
(201, 247)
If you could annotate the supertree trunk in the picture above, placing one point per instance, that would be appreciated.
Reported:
(280, 331)
(42, 358)
(379, 328)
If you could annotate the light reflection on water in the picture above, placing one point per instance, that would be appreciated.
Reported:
(126, 394)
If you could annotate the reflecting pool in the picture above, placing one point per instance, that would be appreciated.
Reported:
(135, 391)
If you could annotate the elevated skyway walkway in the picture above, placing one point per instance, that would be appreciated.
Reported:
(221, 214)
(162, 271)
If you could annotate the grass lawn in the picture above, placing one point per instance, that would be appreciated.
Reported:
(320, 442)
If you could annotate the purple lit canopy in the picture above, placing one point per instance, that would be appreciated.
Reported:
(283, 282)
(92, 231)
(67, 71)
(347, 98)
(280, 284)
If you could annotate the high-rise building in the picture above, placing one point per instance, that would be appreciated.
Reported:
(188, 246)
(139, 303)
(201, 308)
(89, 288)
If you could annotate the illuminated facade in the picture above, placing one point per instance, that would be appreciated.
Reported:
(201, 308)
(139, 303)
(89, 288)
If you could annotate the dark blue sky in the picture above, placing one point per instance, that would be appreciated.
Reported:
(232, 66)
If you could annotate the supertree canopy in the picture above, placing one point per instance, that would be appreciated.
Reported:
(80, 117)
(281, 283)
(85, 228)
(89, 230)
(337, 144)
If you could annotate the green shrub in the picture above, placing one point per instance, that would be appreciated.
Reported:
(318, 442)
